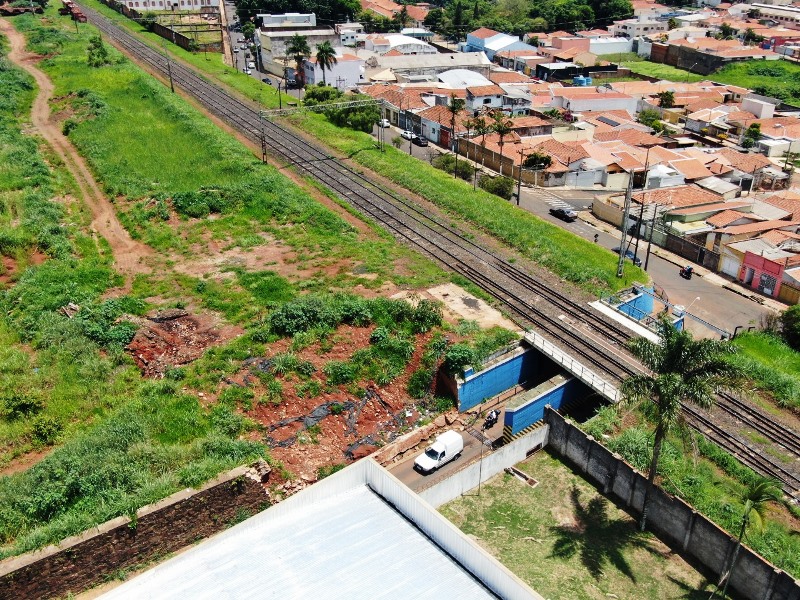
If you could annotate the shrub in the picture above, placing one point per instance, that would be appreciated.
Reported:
(447, 163)
(45, 430)
(309, 389)
(18, 405)
(227, 422)
(336, 408)
(235, 395)
(457, 357)
(427, 315)
(379, 335)
(328, 470)
(302, 314)
(499, 186)
(419, 384)
(339, 372)
(790, 322)
(283, 364)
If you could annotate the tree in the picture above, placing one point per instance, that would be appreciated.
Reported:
(673, 23)
(726, 32)
(298, 49)
(326, 58)
(752, 36)
(666, 99)
(537, 161)
(683, 370)
(455, 107)
(502, 126)
(652, 119)
(360, 118)
(248, 30)
(434, 20)
(790, 326)
(97, 52)
(755, 497)
(402, 18)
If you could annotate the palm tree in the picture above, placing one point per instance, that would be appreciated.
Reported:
(482, 128)
(683, 370)
(456, 106)
(326, 58)
(298, 49)
(502, 126)
(755, 497)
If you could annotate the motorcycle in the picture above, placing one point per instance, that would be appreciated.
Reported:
(491, 419)
(686, 272)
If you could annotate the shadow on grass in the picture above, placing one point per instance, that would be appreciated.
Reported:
(597, 539)
(690, 593)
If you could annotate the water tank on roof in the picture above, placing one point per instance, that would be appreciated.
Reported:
(579, 80)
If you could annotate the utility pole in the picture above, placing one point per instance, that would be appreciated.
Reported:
(169, 67)
(263, 137)
(519, 176)
(625, 211)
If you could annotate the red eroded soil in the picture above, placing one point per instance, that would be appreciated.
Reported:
(336, 426)
(171, 338)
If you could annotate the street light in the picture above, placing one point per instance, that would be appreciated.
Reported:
(692, 303)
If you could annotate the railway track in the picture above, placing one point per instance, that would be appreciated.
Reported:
(582, 331)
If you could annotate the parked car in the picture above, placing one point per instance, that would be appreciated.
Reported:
(251, 65)
(565, 214)
(408, 134)
(246, 71)
(384, 123)
(267, 80)
(419, 140)
(236, 49)
(629, 255)
(447, 447)
(291, 84)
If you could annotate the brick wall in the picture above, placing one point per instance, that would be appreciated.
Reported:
(90, 558)
(674, 521)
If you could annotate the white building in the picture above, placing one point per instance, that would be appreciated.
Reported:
(634, 28)
(610, 45)
(172, 5)
(288, 20)
(396, 43)
(273, 44)
(349, 33)
(346, 73)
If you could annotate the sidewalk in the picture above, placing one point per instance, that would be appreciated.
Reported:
(699, 271)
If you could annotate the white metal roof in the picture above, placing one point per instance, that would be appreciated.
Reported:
(339, 538)
(462, 78)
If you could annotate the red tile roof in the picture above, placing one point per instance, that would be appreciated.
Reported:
(508, 77)
(680, 196)
(634, 137)
(485, 90)
(749, 163)
(757, 227)
(726, 217)
(484, 33)
(690, 168)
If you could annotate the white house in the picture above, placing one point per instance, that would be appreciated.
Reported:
(610, 45)
(484, 97)
(157, 5)
(634, 28)
(346, 73)
(382, 43)
(348, 32)
(491, 42)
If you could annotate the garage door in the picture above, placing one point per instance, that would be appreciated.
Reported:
(730, 266)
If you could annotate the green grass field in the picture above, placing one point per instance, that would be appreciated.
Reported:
(568, 542)
(662, 71)
(774, 366)
(777, 79)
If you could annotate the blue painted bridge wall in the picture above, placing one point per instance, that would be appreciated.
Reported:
(482, 385)
(533, 411)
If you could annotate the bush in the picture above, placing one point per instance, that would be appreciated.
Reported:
(447, 162)
(419, 384)
(379, 335)
(499, 186)
(457, 357)
(339, 372)
(790, 322)
(427, 315)
(17, 405)
(45, 430)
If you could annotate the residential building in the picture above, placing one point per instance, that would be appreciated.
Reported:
(638, 27)
(171, 5)
(349, 33)
(491, 42)
(383, 43)
(348, 72)
(273, 43)
(788, 16)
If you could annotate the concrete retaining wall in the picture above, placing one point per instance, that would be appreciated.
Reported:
(83, 561)
(521, 417)
(674, 521)
(486, 468)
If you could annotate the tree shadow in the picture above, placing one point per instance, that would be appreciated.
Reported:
(597, 539)
(690, 593)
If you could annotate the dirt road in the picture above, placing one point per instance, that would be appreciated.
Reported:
(128, 254)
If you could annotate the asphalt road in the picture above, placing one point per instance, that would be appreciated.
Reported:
(473, 449)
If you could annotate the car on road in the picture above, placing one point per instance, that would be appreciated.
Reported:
(236, 49)
(448, 446)
(408, 135)
(419, 140)
(251, 65)
(384, 123)
(629, 255)
(565, 214)
(267, 80)
(246, 71)
(291, 84)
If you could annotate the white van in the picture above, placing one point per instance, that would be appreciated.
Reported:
(447, 447)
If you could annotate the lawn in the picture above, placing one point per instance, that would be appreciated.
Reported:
(567, 541)
(662, 71)
(777, 79)
(773, 365)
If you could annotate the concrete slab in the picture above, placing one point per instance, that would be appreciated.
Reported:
(626, 322)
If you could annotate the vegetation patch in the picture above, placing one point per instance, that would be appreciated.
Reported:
(568, 542)
(773, 365)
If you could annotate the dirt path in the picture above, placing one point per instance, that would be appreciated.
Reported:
(128, 254)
